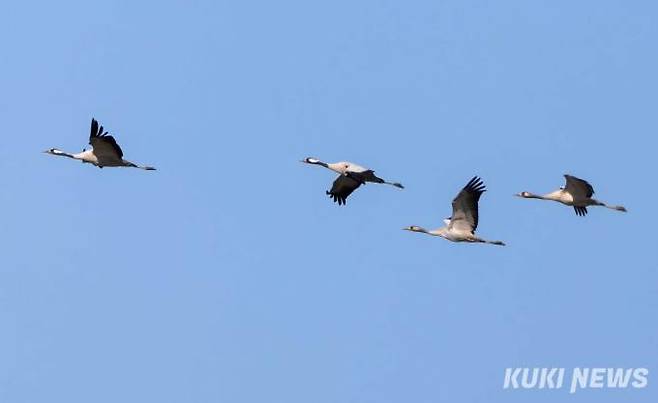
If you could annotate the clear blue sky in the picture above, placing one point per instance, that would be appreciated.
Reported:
(228, 276)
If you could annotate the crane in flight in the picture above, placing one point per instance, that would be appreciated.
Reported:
(576, 193)
(461, 226)
(350, 177)
(105, 151)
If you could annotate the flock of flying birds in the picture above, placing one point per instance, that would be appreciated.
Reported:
(460, 227)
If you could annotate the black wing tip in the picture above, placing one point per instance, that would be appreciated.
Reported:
(341, 200)
(476, 185)
(96, 129)
(580, 211)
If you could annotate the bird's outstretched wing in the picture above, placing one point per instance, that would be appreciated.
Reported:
(465, 206)
(578, 188)
(103, 143)
(343, 186)
(580, 211)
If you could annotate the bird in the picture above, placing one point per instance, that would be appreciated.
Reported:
(576, 193)
(350, 177)
(105, 151)
(461, 226)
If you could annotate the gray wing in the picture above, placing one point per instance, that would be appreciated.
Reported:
(103, 143)
(465, 206)
(578, 188)
(343, 187)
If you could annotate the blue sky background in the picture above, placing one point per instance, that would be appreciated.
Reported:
(228, 275)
